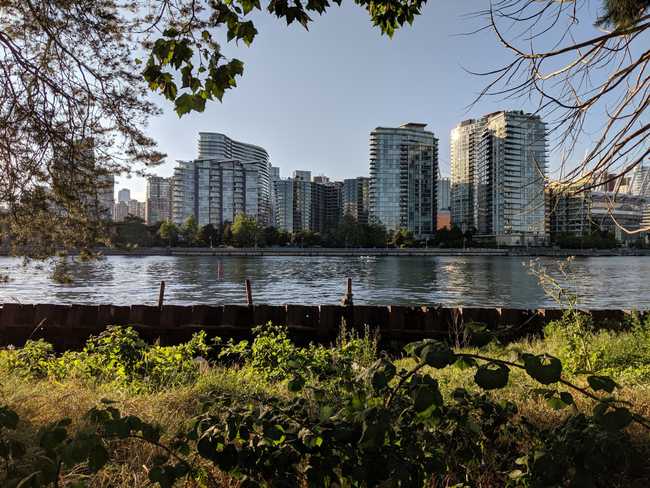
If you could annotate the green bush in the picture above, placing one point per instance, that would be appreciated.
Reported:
(276, 357)
(34, 360)
(117, 355)
(584, 348)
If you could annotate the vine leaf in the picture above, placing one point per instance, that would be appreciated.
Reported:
(543, 368)
(437, 354)
(426, 396)
(615, 419)
(492, 376)
(604, 383)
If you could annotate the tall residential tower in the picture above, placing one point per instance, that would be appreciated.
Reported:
(498, 168)
(403, 173)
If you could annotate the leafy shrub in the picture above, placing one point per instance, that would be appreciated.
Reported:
(175, 365)
(117, 355)
(34, 360)
(573, 335)
(274, 355)
(584, 348)
(272, 352)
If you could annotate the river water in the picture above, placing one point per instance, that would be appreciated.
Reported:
(480, 281)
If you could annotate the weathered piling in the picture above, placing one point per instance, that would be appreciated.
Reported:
(161, 295)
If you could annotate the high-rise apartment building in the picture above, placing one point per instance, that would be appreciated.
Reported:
(640, 184)
(305, 202)
(569, 209)
(302, 175)
(124, 195)
(137, 209)
(465, 140)
(120, 211)
(305, 205)
(331, 203)
(159, 200)
(228, 178)
(498, 169)
(444, 193)
(283, 205)
(403, 173)
(356, 198)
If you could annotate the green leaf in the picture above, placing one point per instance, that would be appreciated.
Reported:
(616, 419)
(437, 354)
(426, 396)
(543, 368)
(171, 32)
(465, 363)
(556, 403)
(207, 448)
(274, 432)
(604, 383)
(246, 32)
(184, 104)
(97, 457)
(492, 376)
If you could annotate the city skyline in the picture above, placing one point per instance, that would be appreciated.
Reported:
(297, 117)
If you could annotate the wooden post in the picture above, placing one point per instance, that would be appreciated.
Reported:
(249, 293)
(161, 297)
(347, 298)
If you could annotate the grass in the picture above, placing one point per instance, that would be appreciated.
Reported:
(41, 401)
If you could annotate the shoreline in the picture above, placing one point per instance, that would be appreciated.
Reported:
(375, 252)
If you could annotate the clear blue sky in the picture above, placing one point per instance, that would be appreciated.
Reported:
(311, 98)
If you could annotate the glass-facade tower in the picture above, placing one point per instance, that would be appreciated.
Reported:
(498, 172)
(403, 174)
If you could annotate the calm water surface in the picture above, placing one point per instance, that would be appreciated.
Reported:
(609, 282)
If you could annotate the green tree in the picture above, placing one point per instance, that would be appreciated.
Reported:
(190, 231)
(168, 232)
(375, 235)
(246, 232)
(226, 232)
(210, 235)
(349, 233)
(132, 232)
(403, 238)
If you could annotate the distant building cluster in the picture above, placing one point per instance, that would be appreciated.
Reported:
(498, 190)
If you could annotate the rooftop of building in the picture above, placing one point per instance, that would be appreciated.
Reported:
(413, 125)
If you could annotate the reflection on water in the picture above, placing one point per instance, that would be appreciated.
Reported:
(620, 282)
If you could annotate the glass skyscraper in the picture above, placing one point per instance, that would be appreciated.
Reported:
(403, 174)
(498, 169)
